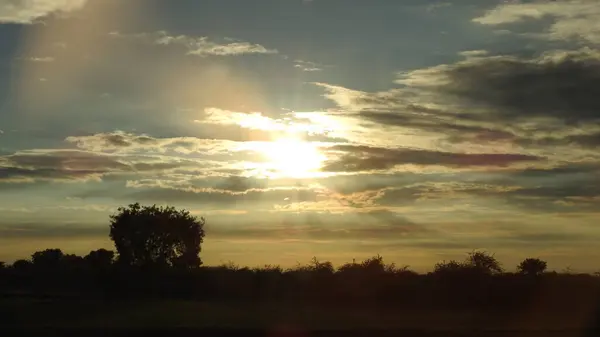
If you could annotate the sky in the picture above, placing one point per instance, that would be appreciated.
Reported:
(419, 130)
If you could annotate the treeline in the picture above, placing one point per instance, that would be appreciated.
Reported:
(158, 256)
(478, 281)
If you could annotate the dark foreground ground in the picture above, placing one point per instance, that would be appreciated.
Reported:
(215, 332)
(29, 317)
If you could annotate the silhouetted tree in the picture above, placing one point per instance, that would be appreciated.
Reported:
(21, 265)
(157, 236)
(374, 265)
(532, 267)
(321, 267)
(2, 265)
(47, 259)
(72, 262)
(484, 262)
(448, 267)
(100, 259)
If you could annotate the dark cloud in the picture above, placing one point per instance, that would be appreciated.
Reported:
(363, 158)
(487, 99)
(78, 165)
(66, 159)
(591, 140)
(441, 123)
(560, 85)
(564, 188)
(558, 172)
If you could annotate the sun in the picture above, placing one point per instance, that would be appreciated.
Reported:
(293, 157)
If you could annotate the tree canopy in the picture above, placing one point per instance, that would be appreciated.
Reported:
(152, 236)
(532, 266)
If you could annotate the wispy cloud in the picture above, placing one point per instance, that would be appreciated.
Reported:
(438, 6)
(120, 141)
(307, 66)
(26, 12)
(41, 59)
(199, 46)
(289, 124)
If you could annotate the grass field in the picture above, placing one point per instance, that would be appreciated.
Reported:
(189, 318)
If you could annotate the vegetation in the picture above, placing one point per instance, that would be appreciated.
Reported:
(151, 236)
(157, 257)
(532, 267)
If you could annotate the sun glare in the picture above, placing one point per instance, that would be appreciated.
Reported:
(287, 157)
(294, 157)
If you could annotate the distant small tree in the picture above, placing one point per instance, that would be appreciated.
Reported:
(532, 267)
(157, 236)
(2, 265)
(484, 262)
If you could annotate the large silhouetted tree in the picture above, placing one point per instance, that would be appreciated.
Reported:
(152, 236)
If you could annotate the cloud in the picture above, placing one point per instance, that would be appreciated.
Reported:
(252, 120)
(41, 59)
(571, 19)
(288, 125)
(486, 99)
(558, 84)
(120, 141)
(57, 165)
(438, 6)
(474, 53)
(364, 158)
(27, 11)
(74, 165)
(199, 46)
(560, 189)
(216, 198)
(589, 140)
(307, 66)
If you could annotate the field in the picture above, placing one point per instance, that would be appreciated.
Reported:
(187, 318)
